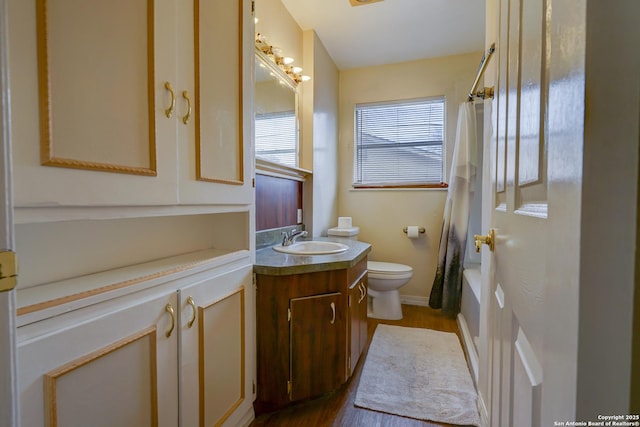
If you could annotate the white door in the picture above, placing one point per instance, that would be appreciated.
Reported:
(534, 176)
(8, 385)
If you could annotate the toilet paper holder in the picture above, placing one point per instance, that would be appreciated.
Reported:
(421, 230)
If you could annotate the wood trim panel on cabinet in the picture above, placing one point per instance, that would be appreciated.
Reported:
(219, 118)
(204, 377)
(52, 378)
(48, 95)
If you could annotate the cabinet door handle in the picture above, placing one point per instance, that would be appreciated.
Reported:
(333, 313)
(185, 118)
(192, 303)
(364, 290)
(169, 110)
(169, 309)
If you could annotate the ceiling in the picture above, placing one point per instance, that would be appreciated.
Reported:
(391, 31)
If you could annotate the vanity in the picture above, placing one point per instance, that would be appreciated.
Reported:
(311, 321)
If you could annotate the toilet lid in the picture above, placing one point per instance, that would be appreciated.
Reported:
(388, 268)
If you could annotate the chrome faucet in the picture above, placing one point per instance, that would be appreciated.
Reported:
(290, 237)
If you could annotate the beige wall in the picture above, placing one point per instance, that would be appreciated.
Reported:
(381, 214)
(281, 30)
(320, 135)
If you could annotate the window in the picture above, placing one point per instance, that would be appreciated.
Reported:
(276, 137)
(399, 144)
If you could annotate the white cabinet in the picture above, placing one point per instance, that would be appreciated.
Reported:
(215, 348)
(90, 95)
(78, 368)
(177, 348)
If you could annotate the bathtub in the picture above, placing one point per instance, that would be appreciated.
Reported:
(469, 316)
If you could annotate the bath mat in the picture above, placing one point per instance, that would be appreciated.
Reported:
(418, 373)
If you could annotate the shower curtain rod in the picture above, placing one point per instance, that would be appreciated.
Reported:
(487, 92)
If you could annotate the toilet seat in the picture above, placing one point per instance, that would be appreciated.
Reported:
(389, 270)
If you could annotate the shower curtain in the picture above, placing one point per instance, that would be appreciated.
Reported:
(447, 285)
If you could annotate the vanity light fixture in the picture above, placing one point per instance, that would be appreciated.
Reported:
(274, 53)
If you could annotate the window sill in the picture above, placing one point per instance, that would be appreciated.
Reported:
(441, 186)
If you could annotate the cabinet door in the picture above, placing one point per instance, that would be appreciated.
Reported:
(101, 367)
(317, 353)
(363, 324)
(355, 297)
(215, 59)
(215, 346)
(357, 322)
(89, 101)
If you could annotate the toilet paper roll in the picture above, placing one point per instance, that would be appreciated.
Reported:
(344, 222)
(413, 231)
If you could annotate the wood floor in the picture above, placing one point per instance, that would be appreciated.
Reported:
(337, 409)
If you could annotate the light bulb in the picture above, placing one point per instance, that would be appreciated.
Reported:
(287, 60)
(297, 70)
(305, 78)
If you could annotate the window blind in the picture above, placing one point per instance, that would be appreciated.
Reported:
(399, 143)
(276, 137)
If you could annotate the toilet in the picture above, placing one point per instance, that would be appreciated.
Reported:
(384, 281)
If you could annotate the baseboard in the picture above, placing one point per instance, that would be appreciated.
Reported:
(414, 300)
(482, 409)
(469, 347)
(247, 418)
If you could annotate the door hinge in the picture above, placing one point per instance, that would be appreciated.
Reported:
(288, 315)
(349, 365)
(8, 270)
(289, 388)
(253, 182)
(253, 8)
(349, 300)
(254, 387)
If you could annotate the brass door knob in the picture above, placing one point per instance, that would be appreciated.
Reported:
(489, 239)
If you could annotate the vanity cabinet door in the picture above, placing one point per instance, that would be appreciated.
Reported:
(216, 362)
(317, 350)
(357, 322)
(363, 321)
(109, 364)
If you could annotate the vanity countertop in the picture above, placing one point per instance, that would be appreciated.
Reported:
(273, 263)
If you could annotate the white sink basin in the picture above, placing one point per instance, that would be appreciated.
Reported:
(312, 247)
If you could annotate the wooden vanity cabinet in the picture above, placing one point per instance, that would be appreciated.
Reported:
(304, 334)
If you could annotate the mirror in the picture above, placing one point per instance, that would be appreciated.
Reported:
(276, 113)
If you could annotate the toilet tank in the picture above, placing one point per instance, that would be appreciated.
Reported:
(349, 233)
